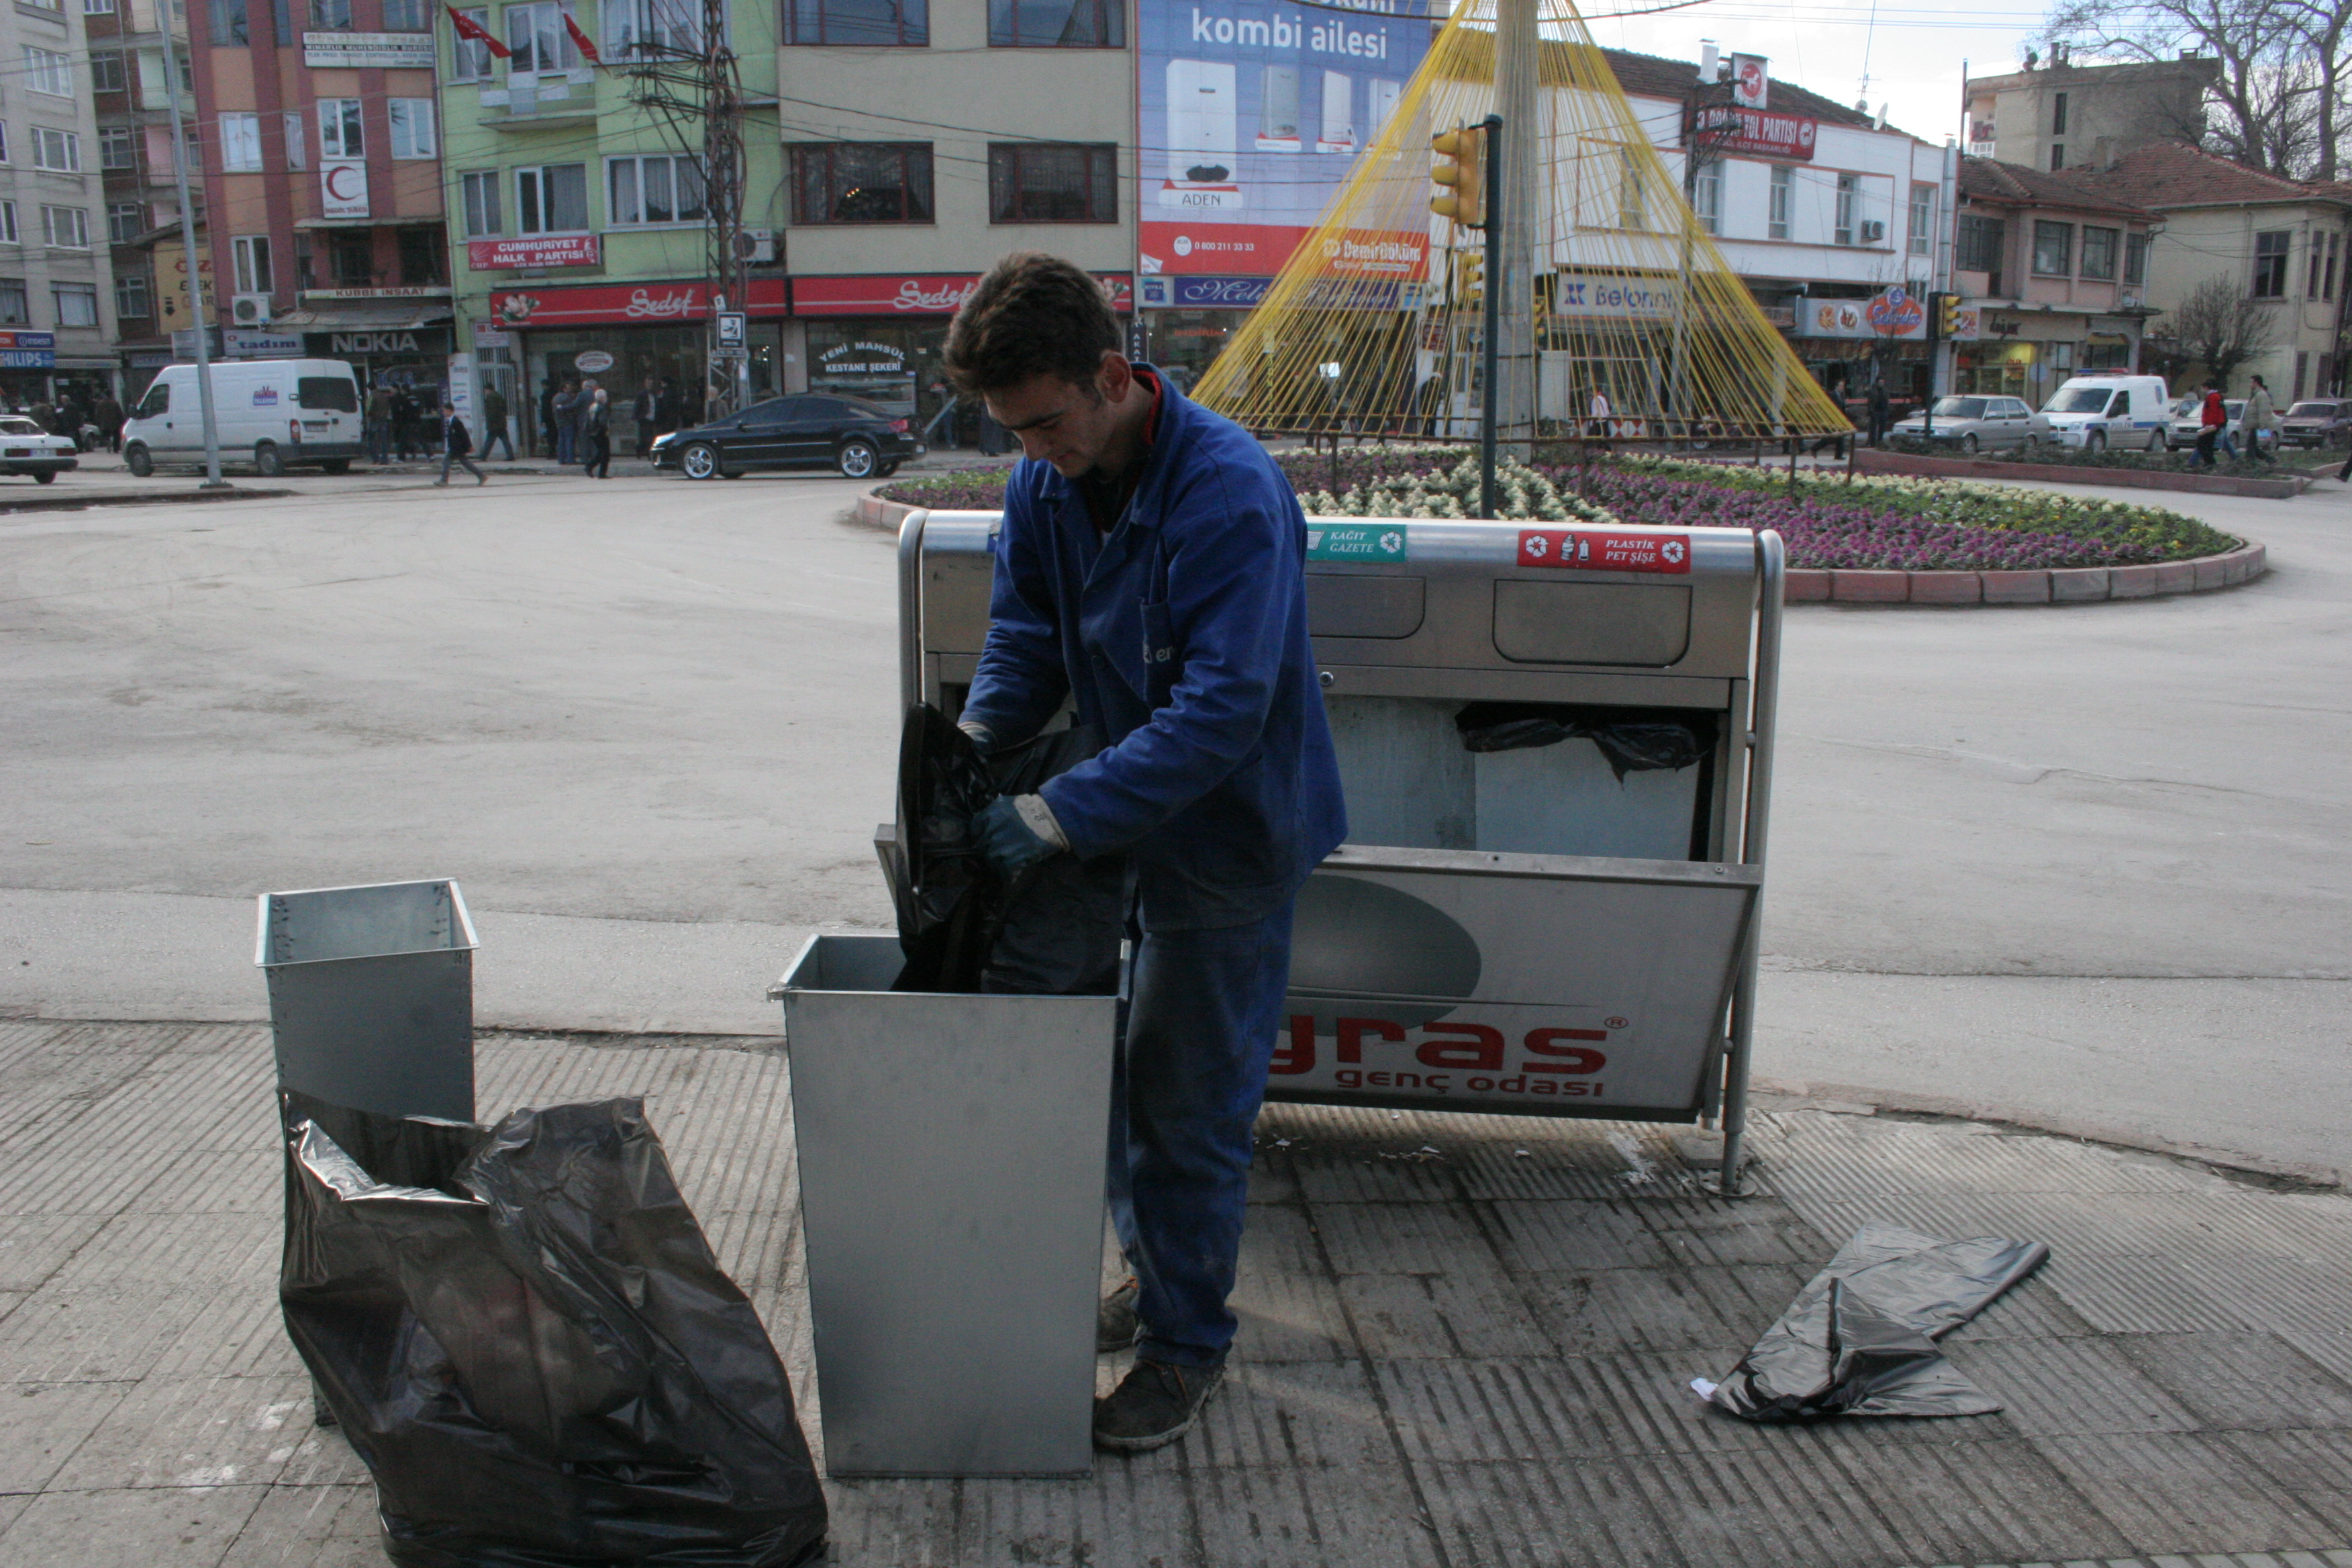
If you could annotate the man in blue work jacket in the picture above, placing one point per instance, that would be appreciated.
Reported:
(1151, 567)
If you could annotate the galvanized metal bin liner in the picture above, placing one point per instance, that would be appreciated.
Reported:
(951, 1157)
(371, 995)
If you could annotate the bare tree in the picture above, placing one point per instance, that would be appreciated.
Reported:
(2285, 68)
(2220, 327)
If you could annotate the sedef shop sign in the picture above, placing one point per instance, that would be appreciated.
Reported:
(534, 250)
(1601, 550)
(926, 294)
(624, 304)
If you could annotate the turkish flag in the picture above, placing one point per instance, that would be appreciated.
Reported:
(469, 28)
(579, 41)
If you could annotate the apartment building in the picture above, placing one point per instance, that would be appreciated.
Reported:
(2059, 115)
(129, 76)
(56, 282)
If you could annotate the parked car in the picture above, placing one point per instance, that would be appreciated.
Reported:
(27, 448)
(2318, 422)
(273, 414)
(2095, 412)
(806, 430)
(2189, 414)
(1972, 422)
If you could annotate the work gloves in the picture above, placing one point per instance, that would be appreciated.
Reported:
(1015, 832)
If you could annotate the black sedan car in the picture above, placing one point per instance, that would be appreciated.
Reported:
(807, 430)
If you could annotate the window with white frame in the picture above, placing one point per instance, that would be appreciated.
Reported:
(250, 255)
(47, 71)
(1776, 219)
(1633, 210)
(480, 194)
(97, 8)
(412, 127)
(240, 143)
(76, 303)
(1923, 216)
(56, 151)
(117, 147)
(130, 294)
(2271, 248)
(340, 135)
(1849, 187)
(537, 36)
(8, 222)
(66, 227)
(406, 16)
(1706, 193)
(106, 72)
(44, 5)
(297, 140)
(551, 199)
(654, 188)
(3, 140)
(471, 55)
(330, 15)
(125, 221)
(650, 29)
(15, 304)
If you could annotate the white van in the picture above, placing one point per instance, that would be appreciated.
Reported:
(274, 413)
(2095, 412)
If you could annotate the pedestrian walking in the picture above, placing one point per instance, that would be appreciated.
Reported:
(2260, 417)
(1882, 413)
(597, 434)
(494, 425)
(567, 423)
(1599, 413)
(1219, 781)
(2212, 422)
(110, 422)
(643, 410)
(454, 446)
(379, 423)
(407, 441)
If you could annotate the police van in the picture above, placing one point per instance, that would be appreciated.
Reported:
(273, 414)
(2096, 412)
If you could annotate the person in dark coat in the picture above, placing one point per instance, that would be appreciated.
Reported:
(643, 409)
(494, 425)
(455, 444)
(1882, 413)
(567, 423)
(547, 417)
(110, 422)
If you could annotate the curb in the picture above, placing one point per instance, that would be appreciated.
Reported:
(1867, 460)
(2064, 585)
(77, 503)
(873, 511)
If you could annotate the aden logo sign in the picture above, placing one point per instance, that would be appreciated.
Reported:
(342, 188)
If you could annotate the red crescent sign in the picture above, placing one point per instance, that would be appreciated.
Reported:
(334, 187)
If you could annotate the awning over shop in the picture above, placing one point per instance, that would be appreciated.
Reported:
(367, 316)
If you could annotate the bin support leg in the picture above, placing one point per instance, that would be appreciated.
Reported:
(1771, 562)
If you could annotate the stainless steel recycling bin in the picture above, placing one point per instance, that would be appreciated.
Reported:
(951, 1157)
(371, 995)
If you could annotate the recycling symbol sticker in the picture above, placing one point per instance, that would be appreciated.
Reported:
(1334, 542)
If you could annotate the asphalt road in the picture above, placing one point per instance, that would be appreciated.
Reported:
(2085, 867)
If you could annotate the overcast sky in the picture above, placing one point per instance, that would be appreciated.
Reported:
(1912, 52)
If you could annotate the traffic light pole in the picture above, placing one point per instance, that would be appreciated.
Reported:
(1490, 373)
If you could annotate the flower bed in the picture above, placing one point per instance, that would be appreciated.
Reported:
(1881, 522)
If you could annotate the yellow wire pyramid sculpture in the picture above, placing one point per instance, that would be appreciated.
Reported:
(1611, 284)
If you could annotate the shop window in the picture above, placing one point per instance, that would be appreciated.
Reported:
(1923, 216)
(76, 303)
(1057, 24)
(412, 127)
(651, 29)
(2270, 263)
(118, 148)
(1708, 190)
(1035, 182)
(480, 192)
(16, 306)
(1776, 223)
(862, 182)
(340, 135)
(240, 142)
(2107, 356)
(2053, 249)
(131, 298)
(125, 221)
(47, 71)
(901, 23)
(350, 258)
(330, 15)
(654, 189)
(1849, 187)
(2136, 258)
(66, 227)
(250, 255)
(106, 73)
(2098, 253)
(472, 57)
(56, 151)
(539, 41)
(552, 199)
(423, 249)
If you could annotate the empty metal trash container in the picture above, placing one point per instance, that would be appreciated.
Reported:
(951, 1152)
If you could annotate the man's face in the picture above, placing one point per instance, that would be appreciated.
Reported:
(1067, 423)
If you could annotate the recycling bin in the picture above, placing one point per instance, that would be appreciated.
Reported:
(950, 1153)
(371, 995)
(1563, 928)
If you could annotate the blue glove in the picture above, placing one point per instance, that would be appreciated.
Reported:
(1010, 836)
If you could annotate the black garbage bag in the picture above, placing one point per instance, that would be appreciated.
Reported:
(1054, 931)
(1634, 740)
(525, 1336)
(1860, 1337)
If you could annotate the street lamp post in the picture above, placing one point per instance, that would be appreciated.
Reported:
(213, 481)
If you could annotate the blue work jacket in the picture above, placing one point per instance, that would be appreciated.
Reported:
(1182, 636)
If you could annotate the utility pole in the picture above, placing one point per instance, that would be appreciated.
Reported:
(213, 481)
(1490, 498)
(1511, 264)
(723, 192)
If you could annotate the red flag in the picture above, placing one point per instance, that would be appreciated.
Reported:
(579, 41)
(469, 28)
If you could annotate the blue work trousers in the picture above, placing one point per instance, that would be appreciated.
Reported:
(567, 442)
(1204, 1008)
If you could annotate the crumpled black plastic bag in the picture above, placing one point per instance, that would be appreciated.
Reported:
(1055, 930)
(1860, 1337)
(1634, 740)
(524, 1334)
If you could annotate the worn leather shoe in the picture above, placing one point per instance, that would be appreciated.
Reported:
(1153, 1405)
(1116, 1325)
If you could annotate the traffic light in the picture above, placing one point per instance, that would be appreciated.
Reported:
(1460, 167)
(1948, 317)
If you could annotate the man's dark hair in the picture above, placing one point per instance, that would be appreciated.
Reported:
(1032, 315)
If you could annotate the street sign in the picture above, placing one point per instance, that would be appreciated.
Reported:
(730, 354)
(730, 330)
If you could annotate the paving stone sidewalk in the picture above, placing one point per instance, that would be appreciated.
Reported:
(1466, 1342)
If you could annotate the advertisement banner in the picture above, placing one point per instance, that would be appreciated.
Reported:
(368, 51)
(1893, 314)
(28, 350)
(929, 294)
(624, 304)
(1253, 113)
(1731, 128)
(534, 250)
